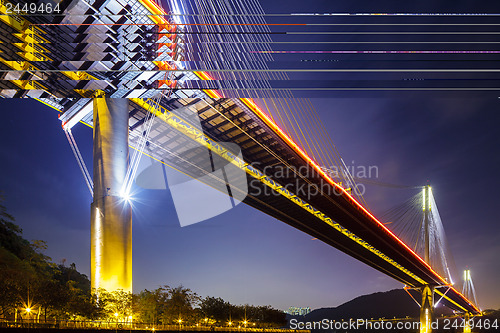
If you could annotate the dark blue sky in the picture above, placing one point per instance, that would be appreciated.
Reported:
(245, 256)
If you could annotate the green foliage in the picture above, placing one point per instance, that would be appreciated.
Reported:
(10, 235)
(112, 306)
(166, 305)
(28, 278)
(14, 276)
(148, 306)
(216, 309)
(179, 304)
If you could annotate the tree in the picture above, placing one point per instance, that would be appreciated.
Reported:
(115, 305)
(216, 309)
(30, 279)
(148, 306)
(179, 305)
(14, 275)
(10, 235)
(15, 270)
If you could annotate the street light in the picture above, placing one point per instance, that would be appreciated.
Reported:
(28, 310)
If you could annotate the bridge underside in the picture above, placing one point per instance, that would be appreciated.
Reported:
(227, 120)
(330, 214)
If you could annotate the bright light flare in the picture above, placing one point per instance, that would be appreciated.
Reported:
(126, 196)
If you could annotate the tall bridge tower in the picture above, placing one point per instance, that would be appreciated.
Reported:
(111, 212)
(469, 292)
(427, 305)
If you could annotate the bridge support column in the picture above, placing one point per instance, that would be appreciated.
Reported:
(111, 215)
(427, 309)
(467, 328)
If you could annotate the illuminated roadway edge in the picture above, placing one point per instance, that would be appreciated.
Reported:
(187, 129)
(192, 132)
(154, 9)
(182, 126)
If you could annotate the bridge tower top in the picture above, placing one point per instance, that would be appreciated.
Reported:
(426, 198)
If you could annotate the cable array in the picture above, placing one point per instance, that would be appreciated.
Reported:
(80, 161)
(406, 220)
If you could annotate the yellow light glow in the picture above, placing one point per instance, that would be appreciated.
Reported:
(230, 323)
(429, 198)
(116, 314)
(98, 256)
(28, 310)
(179, 321)
(423, 199)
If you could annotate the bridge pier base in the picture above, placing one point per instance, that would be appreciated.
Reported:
(111, 214)
(427, 309)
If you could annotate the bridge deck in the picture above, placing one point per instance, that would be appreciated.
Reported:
(331, 214)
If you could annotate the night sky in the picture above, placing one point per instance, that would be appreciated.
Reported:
(244, 256)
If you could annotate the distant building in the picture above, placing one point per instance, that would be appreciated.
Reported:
(296, 311)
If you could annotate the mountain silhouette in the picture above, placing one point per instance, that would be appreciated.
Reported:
(394, 303)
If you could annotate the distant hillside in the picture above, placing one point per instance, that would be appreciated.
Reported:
(395, 303)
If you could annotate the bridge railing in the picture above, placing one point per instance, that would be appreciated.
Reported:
(117, 325)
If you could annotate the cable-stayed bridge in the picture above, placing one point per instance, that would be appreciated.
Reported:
(194, 92)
